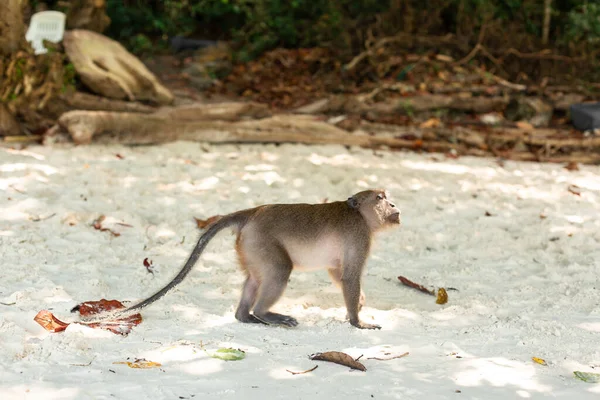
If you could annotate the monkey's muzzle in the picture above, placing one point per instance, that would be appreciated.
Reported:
(394, 218)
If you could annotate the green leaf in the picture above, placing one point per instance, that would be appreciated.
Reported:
(228, 354)
(589, 377)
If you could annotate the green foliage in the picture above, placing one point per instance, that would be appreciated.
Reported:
(69, 75)
(584, 23)
(258, 25)
(254, 25)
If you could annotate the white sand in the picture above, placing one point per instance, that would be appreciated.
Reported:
(527, 286)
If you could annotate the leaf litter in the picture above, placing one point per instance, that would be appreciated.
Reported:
(120, 326)
(442, 294)
(340, 358)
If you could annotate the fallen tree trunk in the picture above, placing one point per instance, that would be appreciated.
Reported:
(132, 128)
(85, 101)
(167, 124)
(217, 123)
(406, 105)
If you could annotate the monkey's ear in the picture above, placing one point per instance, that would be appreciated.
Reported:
(353, 202)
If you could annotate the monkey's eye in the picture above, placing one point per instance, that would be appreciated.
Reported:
(379, 197)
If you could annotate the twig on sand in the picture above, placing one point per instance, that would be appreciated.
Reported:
(388, 358)
(303, 372)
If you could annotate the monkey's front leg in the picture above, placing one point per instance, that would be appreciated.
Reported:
(336, 277)
(352, 296)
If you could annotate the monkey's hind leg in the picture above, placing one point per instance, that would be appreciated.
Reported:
(276, 270)
(248, 299)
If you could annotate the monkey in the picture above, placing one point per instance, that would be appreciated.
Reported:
(274, 239)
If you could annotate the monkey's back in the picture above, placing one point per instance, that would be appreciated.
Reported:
(313, 235)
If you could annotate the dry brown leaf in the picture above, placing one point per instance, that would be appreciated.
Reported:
(97, 224)
(148, 265)
(204, 223)
(430, 123)
(140, 363)
(442, 296)
(120, 326)
(572, 166)
(49, 322)
(96, 307)
(524, 125)
(338, 357)
(574, 189)
(414, 285)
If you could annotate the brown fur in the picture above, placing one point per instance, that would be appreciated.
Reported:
(272, 240)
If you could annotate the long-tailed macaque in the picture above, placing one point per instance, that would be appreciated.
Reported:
(274, 239)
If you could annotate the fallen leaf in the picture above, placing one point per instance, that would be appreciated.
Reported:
(414, 285)
(540, 361)
(442, 296)
(140, 363)
(49, 322)
(589, 377)
(430, 123)
(572, 166)
(120, 157)
(488, 214)
(303, 372)
(148, 265)
(203, 223)
(543, 216)
(228, 354)
(96, 307)
(120, 326)
(524, 125)
(97, 224)
(338, 357)
(574, 189)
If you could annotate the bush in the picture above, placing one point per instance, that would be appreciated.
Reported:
(255, 26)
(258, 25)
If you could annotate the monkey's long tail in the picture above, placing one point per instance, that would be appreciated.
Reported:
(236, 219)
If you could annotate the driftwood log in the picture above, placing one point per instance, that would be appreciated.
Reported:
(86, 101)
(252, 123)
(109, 70)
(405, 105)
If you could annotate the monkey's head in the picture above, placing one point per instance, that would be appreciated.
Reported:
(376, 208)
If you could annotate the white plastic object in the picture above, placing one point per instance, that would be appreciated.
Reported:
(45, 25)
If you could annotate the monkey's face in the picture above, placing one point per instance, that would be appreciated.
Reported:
(377, 209)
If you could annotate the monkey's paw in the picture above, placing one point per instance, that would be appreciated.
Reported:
(248, 319)
(277, 319)
(364, 325)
